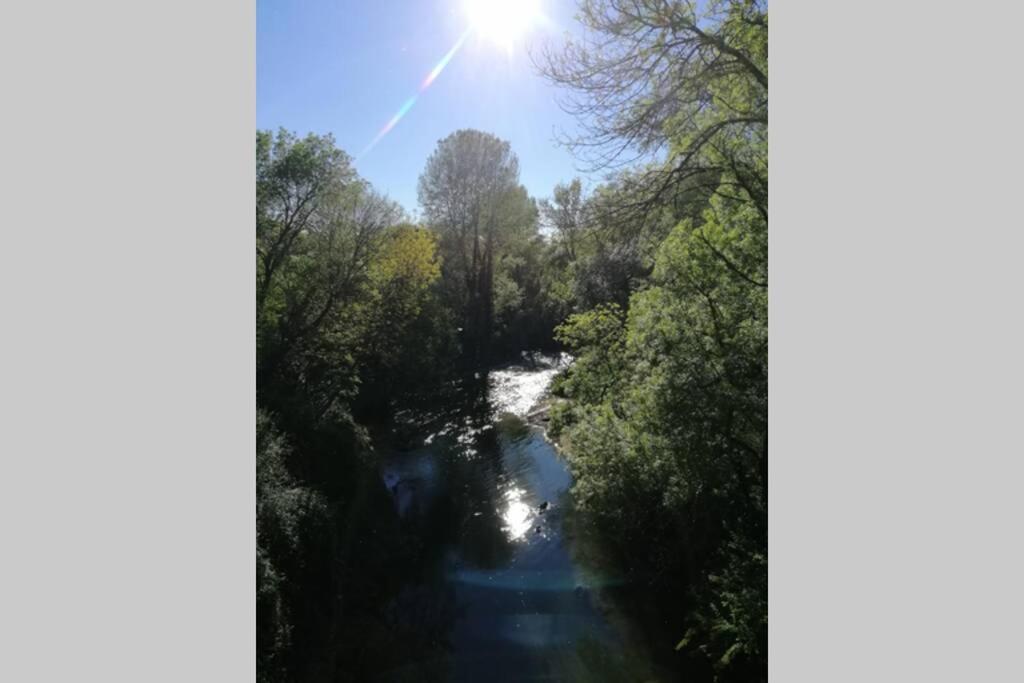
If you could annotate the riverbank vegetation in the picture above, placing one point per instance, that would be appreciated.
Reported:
(668, 401)
(655, 280)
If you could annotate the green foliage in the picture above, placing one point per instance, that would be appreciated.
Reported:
(318, 228)
(508, 299)
(408, 327)
(348, 309)
(668, 405)
(667, 401)
(596, 337)
(406, 264)
(566, 215)
(471, 196)
(685, 79)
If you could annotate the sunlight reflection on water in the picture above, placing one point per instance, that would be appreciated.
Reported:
(517, 515)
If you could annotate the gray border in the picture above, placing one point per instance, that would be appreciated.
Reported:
(126, 352)
(895, 342)
(127, 484)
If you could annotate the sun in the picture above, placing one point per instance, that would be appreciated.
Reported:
(502, 22)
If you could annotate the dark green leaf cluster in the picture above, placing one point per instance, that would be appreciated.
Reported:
(291, 525)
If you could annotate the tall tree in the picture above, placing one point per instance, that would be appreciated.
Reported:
(470, 194)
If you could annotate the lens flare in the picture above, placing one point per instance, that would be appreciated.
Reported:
(500, 21)
(427, 82)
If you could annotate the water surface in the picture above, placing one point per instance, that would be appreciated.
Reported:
(490, 497)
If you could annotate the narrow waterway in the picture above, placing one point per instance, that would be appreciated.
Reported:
(505, 596)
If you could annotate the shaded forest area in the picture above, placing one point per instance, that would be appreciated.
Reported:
(655, 281)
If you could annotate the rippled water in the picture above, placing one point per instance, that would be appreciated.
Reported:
(492, 496)
(516, 389)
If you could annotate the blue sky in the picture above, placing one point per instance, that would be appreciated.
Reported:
(346, 68)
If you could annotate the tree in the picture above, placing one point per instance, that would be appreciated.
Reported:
(470, 195)
(346, 299)
(682, 88)
(293, 178)
(408, 329)
(318, 226)
(565, 214)
(672, 81)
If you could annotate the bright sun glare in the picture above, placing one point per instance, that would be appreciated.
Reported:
(502, 21)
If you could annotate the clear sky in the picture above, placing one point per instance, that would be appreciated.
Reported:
(347, 68)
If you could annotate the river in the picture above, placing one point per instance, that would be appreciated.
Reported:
(505, 595)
